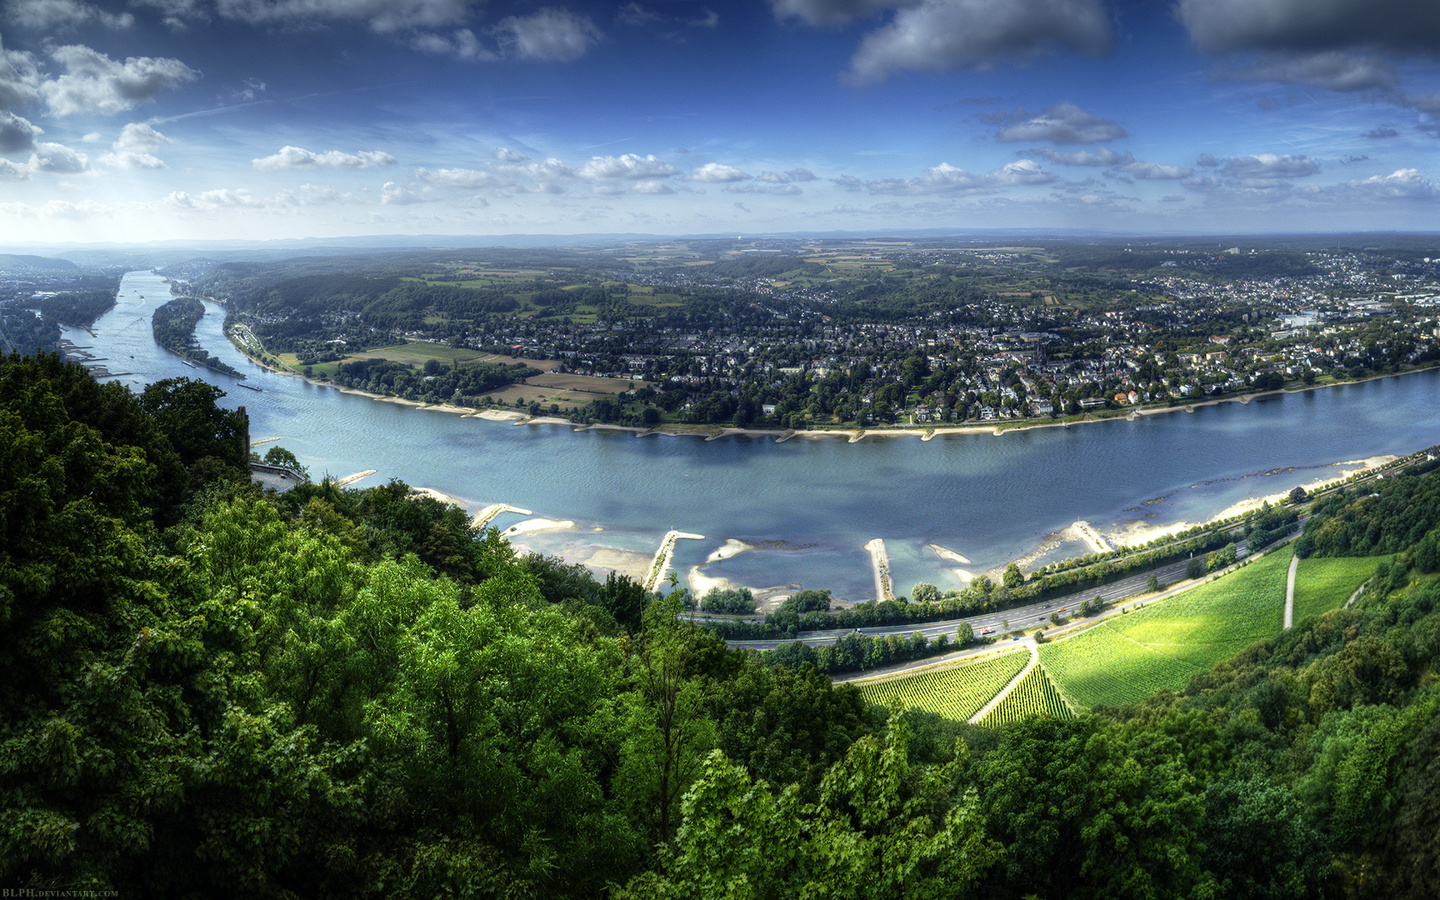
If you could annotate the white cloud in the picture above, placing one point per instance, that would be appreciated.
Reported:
(717, 173)
(461, 44)
(1331, 69)
(1265, 169)
(93, 82)
(629, 166)
(176, 14)
(314, 195)
(217, 199)
(12, 172)
(135, 148)
(550, 35)
(1104, 156)
(58, 159)
(1063, 123)
(941, 35)
(1151, 171)
(19, 79)
(791, 176)
(1403, 184)
(383, 16)
(298, 158)
(465, 179)
(47, 15)
(948, 179)
(506, 155)
(400, 195)
(17, 134)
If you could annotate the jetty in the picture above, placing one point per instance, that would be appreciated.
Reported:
(483, 517)
(664, 555)
(884, 590)
(351, 479)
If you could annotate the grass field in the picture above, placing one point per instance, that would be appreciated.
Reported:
(956, 693)
(1129, 657)
(1035, 695)
(1325, 584)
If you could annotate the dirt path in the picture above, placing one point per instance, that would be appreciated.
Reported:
(1290, 592)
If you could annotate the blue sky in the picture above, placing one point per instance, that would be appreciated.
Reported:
(174, 119)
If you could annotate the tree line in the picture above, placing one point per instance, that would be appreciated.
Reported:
(214, 690)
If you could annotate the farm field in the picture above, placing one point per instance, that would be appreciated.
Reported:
(956, 693)
(1158, 647)
(1325, 584)
(1035, 695)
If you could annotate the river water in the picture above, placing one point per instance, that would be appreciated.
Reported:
(805, 508)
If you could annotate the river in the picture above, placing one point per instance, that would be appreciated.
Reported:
(803, 510)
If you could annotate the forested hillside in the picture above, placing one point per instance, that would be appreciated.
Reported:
(213, 691)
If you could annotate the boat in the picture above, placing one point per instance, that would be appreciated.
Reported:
(250, 387)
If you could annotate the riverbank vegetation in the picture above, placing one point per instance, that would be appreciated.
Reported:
(215, 691)
(173, 324)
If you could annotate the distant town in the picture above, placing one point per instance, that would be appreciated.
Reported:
(796, 334)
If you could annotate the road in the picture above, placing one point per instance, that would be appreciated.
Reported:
(999, 622)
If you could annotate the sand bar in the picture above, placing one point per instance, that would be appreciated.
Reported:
(530, 526)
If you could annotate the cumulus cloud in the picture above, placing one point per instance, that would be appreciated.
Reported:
(788, 177)
(135, 148)
(718, 173)
(506, 155)
(1151, 171)
(400, 195)
(176, 14)
(299, 158)
(313, 195)
(1332, 70)
(383, 16)
(56, 14)
(1221, 26)
(10, 171)
(19, 79)
(1402, 184)
(222, 198)
(630, 166)
(17, 135)
(1063, 123)
(941, 35)
(58, 159)
(93, 82)
(1104, 156)
(550, 35)
(1266, 167)
(464, 179)
(461, 44)
(947, 179)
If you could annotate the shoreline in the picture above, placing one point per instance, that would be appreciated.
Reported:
(852, 435)
(589, 552)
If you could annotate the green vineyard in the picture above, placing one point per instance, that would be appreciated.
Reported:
(1325, 584)
(1035, 695)
(1102, 667)
(1159, 647)
(956, 693)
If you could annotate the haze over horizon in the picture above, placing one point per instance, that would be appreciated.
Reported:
(154, 120)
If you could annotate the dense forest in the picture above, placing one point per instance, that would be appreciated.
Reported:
(173, 325)
(216, 691)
